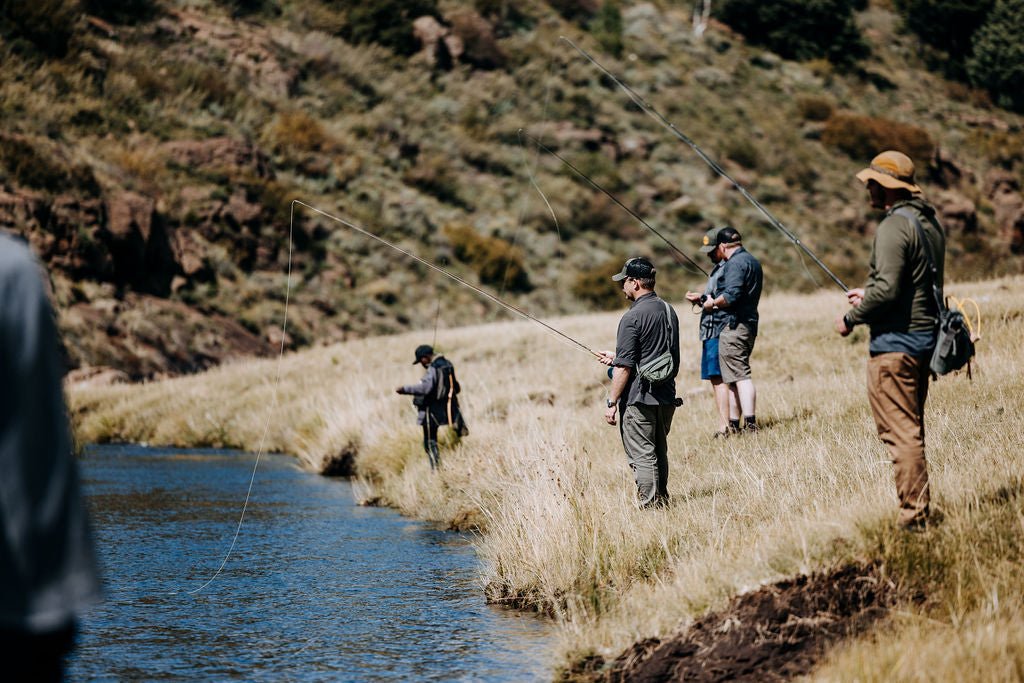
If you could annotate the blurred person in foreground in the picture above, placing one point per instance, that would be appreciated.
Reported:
(48, 570)
(648, 332)
(899, 307)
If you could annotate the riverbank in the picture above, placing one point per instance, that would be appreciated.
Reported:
(545, 480)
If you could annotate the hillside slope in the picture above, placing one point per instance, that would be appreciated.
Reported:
(152, 164)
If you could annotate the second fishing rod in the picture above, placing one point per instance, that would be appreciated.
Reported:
(676, 251)
(668, 125)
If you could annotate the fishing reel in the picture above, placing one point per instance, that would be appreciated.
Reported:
(698, 306)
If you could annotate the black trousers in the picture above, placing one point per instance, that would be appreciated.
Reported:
(430, 427)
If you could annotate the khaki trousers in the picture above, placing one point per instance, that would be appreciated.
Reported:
(897, 390)
(644, 432)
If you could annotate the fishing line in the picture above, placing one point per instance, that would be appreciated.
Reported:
(273, 406)
(533, 180)
(447, 274)
(668, 125)
(675, 250)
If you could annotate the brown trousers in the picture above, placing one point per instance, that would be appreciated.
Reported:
(897, 390)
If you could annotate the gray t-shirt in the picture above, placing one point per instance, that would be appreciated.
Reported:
(47, 566)
(642, 337)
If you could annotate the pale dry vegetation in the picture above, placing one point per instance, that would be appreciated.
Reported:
(545, 481)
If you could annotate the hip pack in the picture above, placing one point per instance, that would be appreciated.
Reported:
(663, 367)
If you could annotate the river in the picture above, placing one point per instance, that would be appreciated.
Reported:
(316, 589)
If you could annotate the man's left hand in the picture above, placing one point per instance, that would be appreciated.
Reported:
(605, 357)
(841, 326)
(610, 414)
(400, 390)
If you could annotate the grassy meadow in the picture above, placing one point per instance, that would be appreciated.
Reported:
(545, 481)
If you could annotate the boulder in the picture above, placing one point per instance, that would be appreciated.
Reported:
(956, 212)
(1003, 189)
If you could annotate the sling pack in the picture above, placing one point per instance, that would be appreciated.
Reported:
(663, 367)
(953, 345)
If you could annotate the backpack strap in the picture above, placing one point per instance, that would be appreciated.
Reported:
(926, 247)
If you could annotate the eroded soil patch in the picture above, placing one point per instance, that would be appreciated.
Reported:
(772, 634)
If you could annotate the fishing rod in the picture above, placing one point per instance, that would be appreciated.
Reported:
(608, 194)
(449, 275)
(654, 113)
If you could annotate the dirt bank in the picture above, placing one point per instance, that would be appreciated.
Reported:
(775, 633)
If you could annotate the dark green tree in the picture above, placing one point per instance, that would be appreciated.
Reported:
(607, 27)
(997, 63)
(947, 26)
(798, 29)
(385, 22)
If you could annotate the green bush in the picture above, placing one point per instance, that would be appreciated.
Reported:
(48, 25)
(947, 25)
(798, 29)
(124, 11)
(495, 261)
(385, 22)
(997, 63)
(595, 285)
(606, 27)
(576, 10)
(862, 137)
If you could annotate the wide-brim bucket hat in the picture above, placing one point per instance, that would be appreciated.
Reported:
(891, 169)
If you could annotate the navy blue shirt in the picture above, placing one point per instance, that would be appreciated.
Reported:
(740, 283)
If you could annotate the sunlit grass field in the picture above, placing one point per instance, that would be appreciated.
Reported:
(545, 481)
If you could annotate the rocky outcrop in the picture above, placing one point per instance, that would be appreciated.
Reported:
(220, 154)
(148, 337)
(957, 213)
(1003, 190)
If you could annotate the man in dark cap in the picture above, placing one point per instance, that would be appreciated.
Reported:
(739, 292)
(900, 307)
(643, 389)
(436, 400)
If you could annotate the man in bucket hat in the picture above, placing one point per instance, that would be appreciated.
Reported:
(899, 307)
(648, 334)
(436, 400)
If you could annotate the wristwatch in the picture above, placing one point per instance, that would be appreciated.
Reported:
(609, 403)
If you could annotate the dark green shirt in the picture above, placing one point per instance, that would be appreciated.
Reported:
(898, 296)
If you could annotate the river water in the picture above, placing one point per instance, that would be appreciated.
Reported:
(316, 589)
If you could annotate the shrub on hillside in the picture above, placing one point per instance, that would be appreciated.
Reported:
(815, 108)
(576, 10)
(46, 25)
(27, 164)
(506, 16)
(385, 22)
(595, 286)
(947, 25)
(798, 29)
(606, 27)
(495, 261)
(296, 131)
(997, 63)
(124, 11)
(433, 174)
(862, 137)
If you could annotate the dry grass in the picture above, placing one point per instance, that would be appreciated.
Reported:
(547, 483)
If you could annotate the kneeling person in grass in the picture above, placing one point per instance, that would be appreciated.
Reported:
(643, 391)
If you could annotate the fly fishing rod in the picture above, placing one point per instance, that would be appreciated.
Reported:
(449, 275)
(654, 113)
(676, 250)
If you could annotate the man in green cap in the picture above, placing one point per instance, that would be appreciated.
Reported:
(899, 307)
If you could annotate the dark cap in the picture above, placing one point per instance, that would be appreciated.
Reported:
(636, 267)
(423, 350)
(716, 236)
